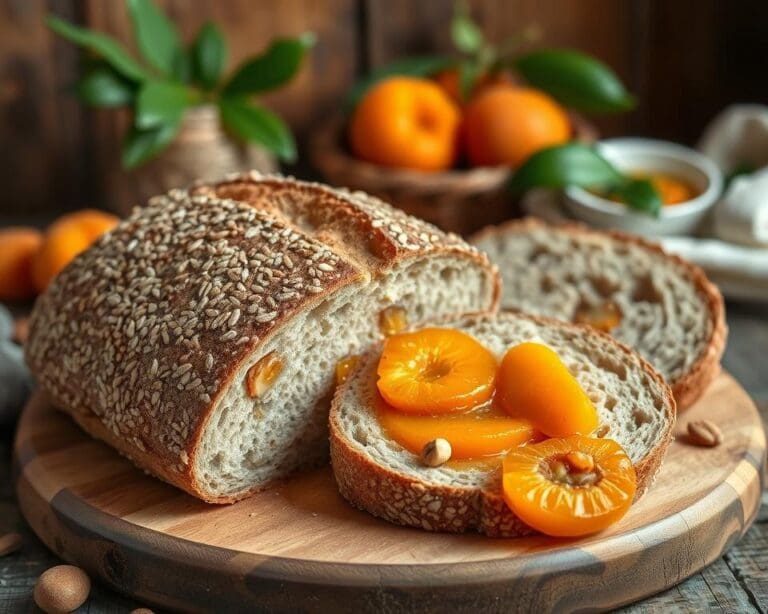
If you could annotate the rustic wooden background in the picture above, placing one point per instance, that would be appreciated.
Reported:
(684, 59)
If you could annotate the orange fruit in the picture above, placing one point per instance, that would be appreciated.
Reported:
(569, 487)
(486, 431)
(406, 122)
(435, 371)
(65, 239)
(533, 383)
(18, 246)
(504, 125)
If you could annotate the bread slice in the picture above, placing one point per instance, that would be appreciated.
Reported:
(148, 338)
(376, 474)
(670, 312)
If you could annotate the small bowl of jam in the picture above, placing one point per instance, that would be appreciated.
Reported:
(688, 183)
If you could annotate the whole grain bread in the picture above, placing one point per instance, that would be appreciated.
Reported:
(670, 312)
(376, 474)
(155, 338)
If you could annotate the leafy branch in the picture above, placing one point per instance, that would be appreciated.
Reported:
(170, 78)
(574, 79)
(577, 164)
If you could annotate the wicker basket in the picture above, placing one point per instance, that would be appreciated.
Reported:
(461, 201)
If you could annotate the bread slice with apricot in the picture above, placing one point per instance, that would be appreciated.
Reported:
(657, 303)
(635, 408)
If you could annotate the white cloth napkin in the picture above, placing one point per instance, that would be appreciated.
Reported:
(738, 137)
(740, 271)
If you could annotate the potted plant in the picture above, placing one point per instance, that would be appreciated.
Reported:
(489, 101)
(188, 120)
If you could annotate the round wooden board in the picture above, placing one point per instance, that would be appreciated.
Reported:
(300, 547)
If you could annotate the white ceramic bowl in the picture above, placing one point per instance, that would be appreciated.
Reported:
(633, 155)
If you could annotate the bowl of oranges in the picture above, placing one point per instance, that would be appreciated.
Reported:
(440, 136)
(409, 141)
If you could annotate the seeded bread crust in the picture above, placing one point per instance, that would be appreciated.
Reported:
(403, 499)
(141, 333)
(689, 385)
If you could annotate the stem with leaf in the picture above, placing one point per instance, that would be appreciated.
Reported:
(172, 78)
(577, 164)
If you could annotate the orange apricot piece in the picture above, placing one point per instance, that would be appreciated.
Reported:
(18, 246)
(435, 371)
(569, 487)
(533, 383)
(65, 239)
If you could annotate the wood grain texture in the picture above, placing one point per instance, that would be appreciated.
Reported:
(299, 546)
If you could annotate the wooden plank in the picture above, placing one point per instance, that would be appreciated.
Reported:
(40, 127)
(712, 590)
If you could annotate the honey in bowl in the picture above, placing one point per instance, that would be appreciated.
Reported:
(671, 190)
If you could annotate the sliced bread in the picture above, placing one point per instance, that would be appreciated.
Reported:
(668, 310)
(376, 474)
(199, 337)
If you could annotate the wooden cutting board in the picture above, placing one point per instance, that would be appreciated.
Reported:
(300, 547)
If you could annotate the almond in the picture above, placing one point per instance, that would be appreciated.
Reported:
(436, 452)
(704, 433)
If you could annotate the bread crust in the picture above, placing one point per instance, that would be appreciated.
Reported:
(691, 384)
(404, 500)
(142, 333)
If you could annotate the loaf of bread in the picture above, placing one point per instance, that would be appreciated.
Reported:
(199, 338)
(376, 474)
(665, 307)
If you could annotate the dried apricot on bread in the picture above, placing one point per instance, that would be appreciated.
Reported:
(435, 370)
(571, 486)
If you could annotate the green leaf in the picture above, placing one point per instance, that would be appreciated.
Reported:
(101, 44)
(271, 69)
(638, 194)
(419, 66)
(465, 33)
(160, 103)
(258, 125)
(209, 55)
(576, 80)
(564, 165)
(156, 36)
(141, 145)
(102, 86)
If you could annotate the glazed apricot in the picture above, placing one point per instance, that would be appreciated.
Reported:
(65, 239)
(533, 383)
(569, 487)
(486, 431)
(18, 246)
(435, 371)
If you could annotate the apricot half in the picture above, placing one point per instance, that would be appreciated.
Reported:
(435, 371)
(486, 431)
(569, 487)
(533, 383)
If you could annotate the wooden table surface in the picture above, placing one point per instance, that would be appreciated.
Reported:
(738, 582)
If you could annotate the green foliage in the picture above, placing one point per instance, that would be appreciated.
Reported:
(576, 80)
(271, 69)
(103, 86)
(172, 78)
(209, 56)
(258, 125)
(577, 164)
(156, 37)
